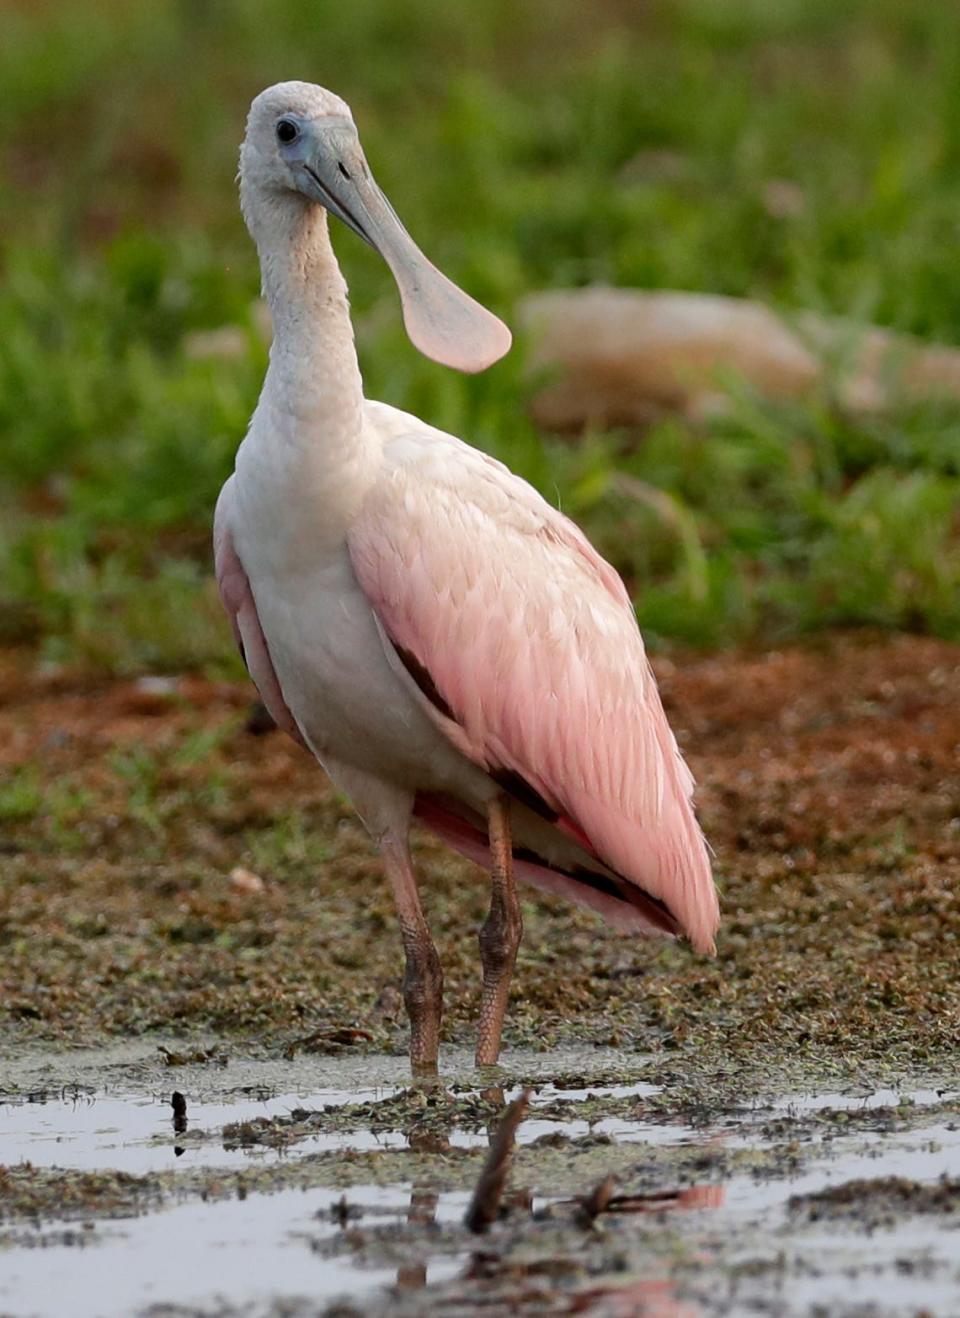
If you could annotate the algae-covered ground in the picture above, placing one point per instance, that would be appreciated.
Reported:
(168, 873)
(185, 906)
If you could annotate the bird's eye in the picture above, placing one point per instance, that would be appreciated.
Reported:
(287, 131)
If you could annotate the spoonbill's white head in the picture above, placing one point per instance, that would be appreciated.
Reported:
(302, 150)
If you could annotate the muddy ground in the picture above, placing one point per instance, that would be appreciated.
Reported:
(185, 905)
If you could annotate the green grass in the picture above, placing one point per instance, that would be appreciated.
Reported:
(629, 143)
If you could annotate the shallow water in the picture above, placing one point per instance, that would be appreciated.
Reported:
(133, 1133)
(211, 1254)
(717, 1239)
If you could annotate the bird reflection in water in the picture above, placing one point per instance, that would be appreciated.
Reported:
(423, 1137)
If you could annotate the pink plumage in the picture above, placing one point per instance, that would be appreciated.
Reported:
(531, 642)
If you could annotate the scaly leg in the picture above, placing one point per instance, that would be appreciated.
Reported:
(423, 980)
(500, 935)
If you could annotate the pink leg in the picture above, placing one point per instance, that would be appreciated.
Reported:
(500, 935)
(423, 980)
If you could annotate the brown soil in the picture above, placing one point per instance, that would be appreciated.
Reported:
(829, 787)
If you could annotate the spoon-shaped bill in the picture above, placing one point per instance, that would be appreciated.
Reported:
(445, 323)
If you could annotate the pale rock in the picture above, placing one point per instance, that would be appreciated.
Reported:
(615, 356)
(245, 880)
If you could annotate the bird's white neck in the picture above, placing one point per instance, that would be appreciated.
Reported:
(307, 447)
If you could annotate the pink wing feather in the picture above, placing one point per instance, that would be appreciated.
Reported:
(531, 642)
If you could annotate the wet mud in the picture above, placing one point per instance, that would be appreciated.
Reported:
(346, 1191)
(205, 1106)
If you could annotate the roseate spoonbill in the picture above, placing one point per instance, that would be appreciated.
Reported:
(448, 645)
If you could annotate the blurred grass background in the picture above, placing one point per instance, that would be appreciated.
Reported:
(550, 144)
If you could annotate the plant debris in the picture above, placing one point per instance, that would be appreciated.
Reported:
(179, 1105)
(485, 1204)
(827, 786)
(328, 1040)
(880, 1201)
(192, 1057)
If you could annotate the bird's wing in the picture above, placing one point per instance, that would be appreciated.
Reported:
(241, 609)
(525, 650)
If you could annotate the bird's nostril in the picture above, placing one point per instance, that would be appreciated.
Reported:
(343, 169)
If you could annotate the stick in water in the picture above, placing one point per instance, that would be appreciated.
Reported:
(485, 1203)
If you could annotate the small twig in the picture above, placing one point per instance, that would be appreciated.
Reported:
(597, 1200)
(653, 1202)
(179, 1105)
(485, 1203)
(328, 1039)
(658, 1201)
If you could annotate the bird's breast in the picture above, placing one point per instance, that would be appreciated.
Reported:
(302, 474)
(337, 682)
